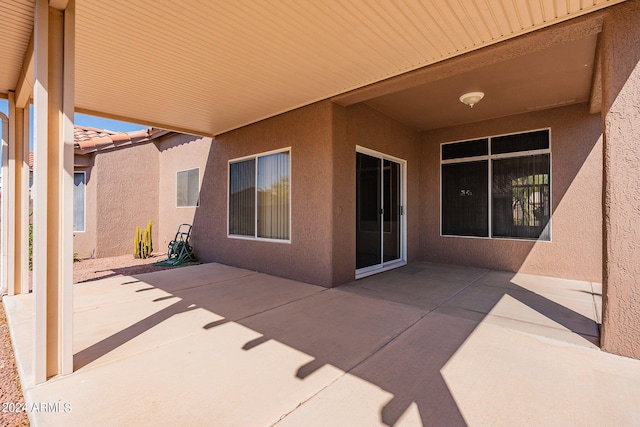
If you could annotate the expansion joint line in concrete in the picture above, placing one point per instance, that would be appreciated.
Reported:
(281, 305)
(382, 346)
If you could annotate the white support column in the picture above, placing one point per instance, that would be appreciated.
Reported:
(20, 252)
(53, 182)
(67, 140)
(5, 206)
(40, 164)
(23, 198)
(17, 200)
(10, 196)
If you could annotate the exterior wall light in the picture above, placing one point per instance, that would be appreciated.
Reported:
(471, 98)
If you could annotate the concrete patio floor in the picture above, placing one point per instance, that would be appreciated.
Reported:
(425, 344)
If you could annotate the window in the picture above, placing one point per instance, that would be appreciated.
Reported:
(79, 179)
(464, 199)
(259, 196)
(188, 188)
(520, 197)
(497, 187)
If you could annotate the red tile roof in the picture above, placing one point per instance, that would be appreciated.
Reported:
(83, 133)
(88, 139)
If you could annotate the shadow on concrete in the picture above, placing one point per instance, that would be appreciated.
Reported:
(94, 352)
(129, 271)
(395, 330)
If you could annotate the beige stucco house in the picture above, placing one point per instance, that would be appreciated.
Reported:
(339, 159)
(115, 189)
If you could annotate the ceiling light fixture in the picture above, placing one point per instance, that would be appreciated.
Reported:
(471, 98)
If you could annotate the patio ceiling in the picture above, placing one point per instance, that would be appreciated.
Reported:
(556, 76)
(209, 67)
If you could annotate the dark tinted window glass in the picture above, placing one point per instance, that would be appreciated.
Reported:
(242, 198)
(520, 197)
(537, 140)
(465, 199)
(459, 150)
(368, 204)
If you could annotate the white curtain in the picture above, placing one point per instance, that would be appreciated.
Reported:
(78, 201)
(273, 196)
(242, 196)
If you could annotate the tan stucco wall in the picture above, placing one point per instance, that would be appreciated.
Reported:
(323, 139)
(126, 191)
(324, 215)
(128, 186)
(576, 180)
(84, 243)
(366, 127)
(178, 152)
(343, 203)
(308, 131)
(620, 43)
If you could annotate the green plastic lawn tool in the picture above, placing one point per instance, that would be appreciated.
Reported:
(180, 251)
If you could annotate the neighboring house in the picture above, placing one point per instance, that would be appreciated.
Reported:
(116, 182)
(123, 180)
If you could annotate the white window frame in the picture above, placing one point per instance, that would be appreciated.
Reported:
(84, 199)
(255, 226)
(402, 261)
(488, 158)
(197, 205)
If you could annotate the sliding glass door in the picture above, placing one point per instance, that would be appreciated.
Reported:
(379, 212)
(368, 207)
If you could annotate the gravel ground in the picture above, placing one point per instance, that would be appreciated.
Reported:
(83, 271)
(10, 390)
(125, 265)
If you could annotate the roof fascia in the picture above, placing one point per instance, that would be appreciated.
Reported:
(81, 160)
(118, 140)
(144, 122)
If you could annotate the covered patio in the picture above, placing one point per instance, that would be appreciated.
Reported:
(426, 344)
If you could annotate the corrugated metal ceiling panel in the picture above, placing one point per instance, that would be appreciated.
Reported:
(16, 25)
(217, 65)
(211, 66)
